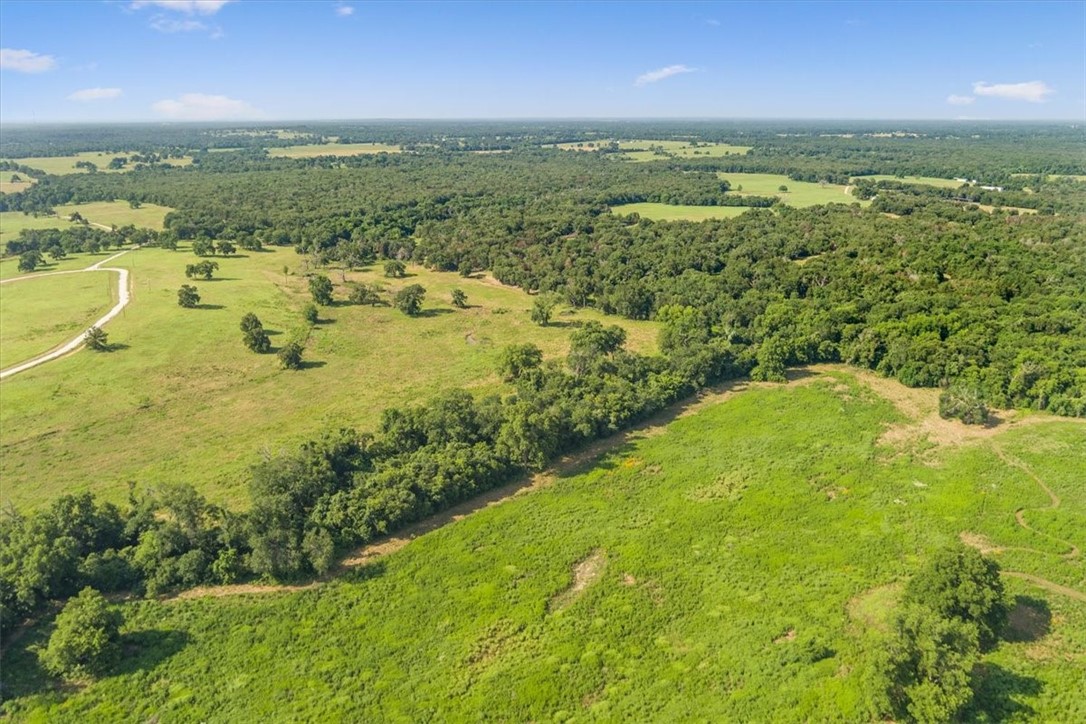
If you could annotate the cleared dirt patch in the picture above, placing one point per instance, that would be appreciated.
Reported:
(978, 541)
(585, 574)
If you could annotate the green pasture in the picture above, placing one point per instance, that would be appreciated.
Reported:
(799, 194)
(60, 165)
(942, 183)
(645, 150)
(670, 212)
(118, 213)
(331, 149)
(183, 399)
(7, 186)
(738, 566)
(12, 222)
(39, 314)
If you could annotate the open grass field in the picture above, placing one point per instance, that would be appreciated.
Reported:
(331, 149)
(118, 213)
(737, 565)
(39, 314)
(670, 212)
(642, 150)
(184, 400)
(60, 165)
(9, 267)
(799, 194)
(12, 222)
(7, 186)
(942, 183)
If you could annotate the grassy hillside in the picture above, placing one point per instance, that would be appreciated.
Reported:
(675, 212)
(737, 565)
(184, 400)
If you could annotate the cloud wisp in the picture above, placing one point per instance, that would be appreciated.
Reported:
(188, 7)
(959, 100)
(26, 61)
(95, 94)
(1034, 91)
(344, 11)
(655, 76)
(203, 107)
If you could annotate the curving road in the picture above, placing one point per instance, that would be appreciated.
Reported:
(123, 297)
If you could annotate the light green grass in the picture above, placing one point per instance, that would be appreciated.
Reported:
(726, 576)
(61, 165)
(12, 222)
(799, 194)
(640, 150)
(39, 314)
(942, 183)
(7, 186)
(670, 212)
(118, 213)
(186, 401)
(331, 149)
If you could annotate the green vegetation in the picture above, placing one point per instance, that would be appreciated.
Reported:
(118, 213)
(12, 222)
(9, 186)
(785, 507)
(798, 194)
(40, 314)
(85, 637)
(942, 183)
(669, 212)
(332, 149)
(95, 162)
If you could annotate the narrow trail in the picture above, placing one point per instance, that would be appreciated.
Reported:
(1054, 503)
(123, 297)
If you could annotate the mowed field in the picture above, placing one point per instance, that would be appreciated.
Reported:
(942, 183)
(331, 149)
(185, 401)
(799, 194)
(12, 222)
(60, 165)
(739, 564)
(641, 150)
(7, 186)
(118, 213)
(39, 314)
(674, 212)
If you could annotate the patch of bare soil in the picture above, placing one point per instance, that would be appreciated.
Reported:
(784, 638)
(982, 544)
(585, 573)
(240, 589)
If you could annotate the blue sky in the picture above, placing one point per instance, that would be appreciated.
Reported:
(135, 60)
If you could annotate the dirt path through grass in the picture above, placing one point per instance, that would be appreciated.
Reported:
(123, 297)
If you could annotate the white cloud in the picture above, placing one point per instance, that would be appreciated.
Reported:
(1034, 91)
(959, 100)
(654, 76)
(202, 107)
(169, 25)
(26, 61)
(95, 94)
(712, 21)
(189, 7)
(344, 11)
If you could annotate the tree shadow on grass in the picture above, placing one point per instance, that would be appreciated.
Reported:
(1029, 620)
(272, 332)
(439, 312)
(116, 347)
(565, 324)
(312, 364)
(209, 306)
(144, 650)
(220, 279)
(362, 573)
(997, 691)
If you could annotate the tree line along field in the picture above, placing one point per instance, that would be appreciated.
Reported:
(202, 406)
(332, 149)
(105, 213)
(741, 563)
(59, 165)
(678, 212)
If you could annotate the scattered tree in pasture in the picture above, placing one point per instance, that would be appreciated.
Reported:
(250, 321)
(187, 296)
(320, 287)
(290, 356)
(30, 260)
(85, 639)
(57, 253)
(364, 294)
(409, 299)
(783, 189)
(543, 308)
(226, 248)
(960, 583)
(395, 269)
(96, 339)
(203, 247)
(253, 334)
(518, 359)
(459, 298)
(310, 313)
(203, 269)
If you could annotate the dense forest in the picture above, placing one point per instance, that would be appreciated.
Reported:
(922, 285)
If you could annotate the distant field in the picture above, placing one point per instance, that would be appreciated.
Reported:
(39, 314)
(640, 150)
(943, 183)
(12, 222)
(1019, 209)
(738, 564)
(669, 212)
(60, 165)
(118, 213)
(7, 186)
(96, 421)
(799, 194)
(331, 149)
